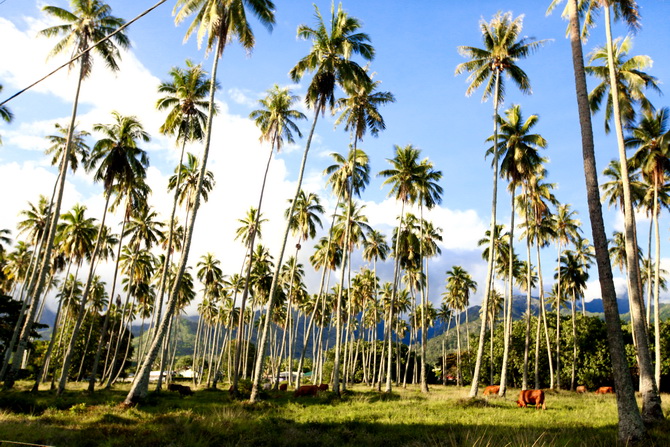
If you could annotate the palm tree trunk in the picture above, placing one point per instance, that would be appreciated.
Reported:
(396, 274)
(261, 344)
(510, 294)
(657, 267)
(651, 406)
(105, 323)
(140, 386)
(558, 321)
(82, 306)
(631, 427)
(38, 282)
(543, 316)
(526, 348)
(574, 342)
(474, 389)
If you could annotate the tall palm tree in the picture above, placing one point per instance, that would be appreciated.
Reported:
(651, 140)
(502, 50)
(567, 231)
(88, 22)
(520, 162)
(117, 161)
(631, 427)
(222, 21)
(276, 121)
(184, 100)
(405, 178)
(459, 287)
(330, 60)
(359, 113)
(627, 10)
(79, 151)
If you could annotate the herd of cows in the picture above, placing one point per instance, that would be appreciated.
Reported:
(536, 397)
(526, 397)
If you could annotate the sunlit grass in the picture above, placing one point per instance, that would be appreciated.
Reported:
(444, 417)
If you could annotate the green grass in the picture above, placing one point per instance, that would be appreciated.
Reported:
(445, 417)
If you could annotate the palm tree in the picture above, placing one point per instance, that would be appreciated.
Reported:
(459, 287)
(186, 120)
(567, 230)
(88, 22)
(651, 139)
(406, 178)
(520, 162)
(276, 121)
(330, 60)
(628, 11)
(222, 21)
(118, 162)
(502, 49)
(631, 427)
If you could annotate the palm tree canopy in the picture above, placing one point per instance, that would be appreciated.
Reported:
(89, 22)
(631, 82)
(519, 148)
(356, 165)
(276, 118)
(410, 179)
(224, 20)
(305, 216)
(613, 189)
(78, 144)
(330, 57)
(502, 50)
(116, 155)
(360, 109)
(651, 139)
(185, 99)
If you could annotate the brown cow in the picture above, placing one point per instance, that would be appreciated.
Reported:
(323, 387)
(493, 389)
(532, 397)
(283, 386)
(306, 390)
(605, 390)
(581, 389)
(183, 390)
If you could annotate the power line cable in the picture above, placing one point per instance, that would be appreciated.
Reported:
(104, 39)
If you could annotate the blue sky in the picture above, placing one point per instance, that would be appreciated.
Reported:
(416, 56)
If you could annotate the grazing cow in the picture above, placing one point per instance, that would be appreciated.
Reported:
(532, 397)
(183, 390)
(323, 387)
(493, 389)
(581, 389)
(283, 386)
(306, 390)
(605, 390)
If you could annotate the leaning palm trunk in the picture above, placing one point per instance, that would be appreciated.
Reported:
(651, 406)
(510, 291)
(526, 347)
(261, 343)
(245, 293)
(38, 282)
(105, 323)
(489, 270)
(140, 386)
(396, 274)
(657, 267)
(574, 341)
(84, 298)
(543, 316)
(631, 427)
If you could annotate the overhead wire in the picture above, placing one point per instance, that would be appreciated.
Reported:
(104, 39)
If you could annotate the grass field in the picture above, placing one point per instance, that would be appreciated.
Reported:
(445, 417)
